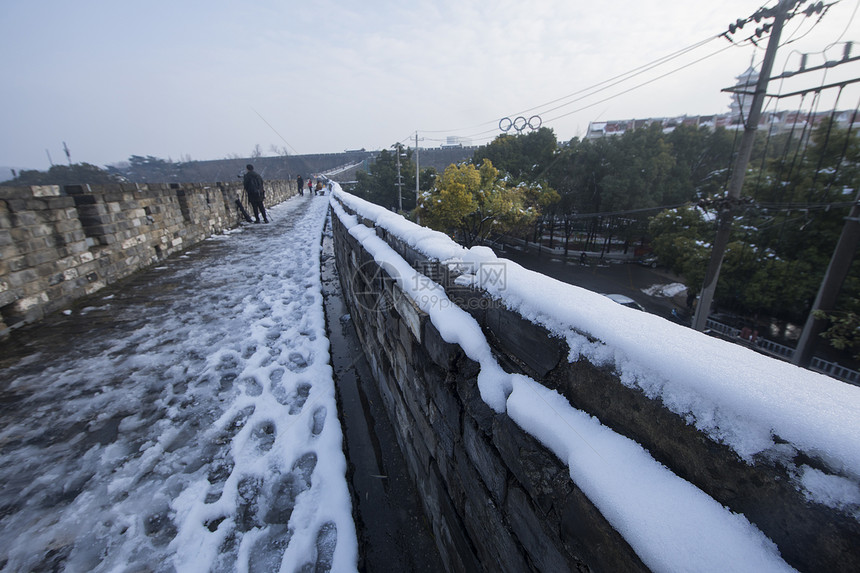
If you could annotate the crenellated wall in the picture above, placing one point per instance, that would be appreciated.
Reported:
(496, 497)
(57, 244)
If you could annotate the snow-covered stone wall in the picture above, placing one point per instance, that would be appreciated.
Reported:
(555, 443)
(60, 243)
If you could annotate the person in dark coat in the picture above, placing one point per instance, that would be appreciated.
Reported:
(300, 185)
(253, 184)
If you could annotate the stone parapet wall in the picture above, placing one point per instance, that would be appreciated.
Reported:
(58, 244)
(496, 498)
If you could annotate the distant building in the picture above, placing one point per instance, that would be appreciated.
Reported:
(457, 141)
(742, 97)
(739, 109)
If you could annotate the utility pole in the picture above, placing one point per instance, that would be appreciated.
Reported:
(417, 172)
(729, 205)
(399, 183)
(837, 270)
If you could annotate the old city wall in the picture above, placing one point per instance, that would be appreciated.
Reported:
(60, 243)
(496, 498)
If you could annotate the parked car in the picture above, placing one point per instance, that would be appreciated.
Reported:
(625, 301)
(650, 262)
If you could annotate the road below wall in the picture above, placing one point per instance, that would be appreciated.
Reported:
(607, 278)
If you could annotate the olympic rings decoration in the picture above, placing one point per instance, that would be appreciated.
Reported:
(520, 123)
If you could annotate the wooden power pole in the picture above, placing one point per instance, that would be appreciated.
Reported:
(835, 275)
(728, 206)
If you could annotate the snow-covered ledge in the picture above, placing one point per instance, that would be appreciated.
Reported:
(704, 455)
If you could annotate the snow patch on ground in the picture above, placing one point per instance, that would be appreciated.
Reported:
(665, 291)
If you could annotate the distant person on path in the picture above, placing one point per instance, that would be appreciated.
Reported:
(300, 185)
(583, 258)
(253, 184)
(310, 187)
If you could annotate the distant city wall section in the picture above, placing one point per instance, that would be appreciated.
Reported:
(279, 167)
(496, 471)
(60, 243)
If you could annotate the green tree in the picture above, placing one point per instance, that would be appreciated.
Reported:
(843, 332)
(679, 241)
(476, 202)
(75, 174)
(702, 156)
(523, 157)
(782, 242)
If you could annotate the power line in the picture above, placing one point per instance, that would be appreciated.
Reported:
(847, 27)
(276, 131)
(628, 90)
(620, 78)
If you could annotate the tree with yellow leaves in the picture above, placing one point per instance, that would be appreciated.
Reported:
(476, 202)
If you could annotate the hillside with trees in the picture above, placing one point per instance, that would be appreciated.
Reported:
(75, 174)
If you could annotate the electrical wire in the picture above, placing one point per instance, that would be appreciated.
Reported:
(721, 50)
(612, 82)
(847, 27)
(844, 148)
(615, 80)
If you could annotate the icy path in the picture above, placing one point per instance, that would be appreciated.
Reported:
(194, 430)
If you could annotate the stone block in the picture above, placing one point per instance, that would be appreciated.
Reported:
(444, 429)
(15, 263)
(443, 393)
(45, 190)
(41, 230)
(526, 342)
(455, 547)
(531, 532)
(26, 218)
(20, 235)
(63, 208)
(412, 315)
(486, 526)
(40, 257)
(467, 389)
(8, 297)
(442, 353)
(29, 303)
(587, 535)
(38, 206)
(18, 279)
(533, 466)
(486, 461)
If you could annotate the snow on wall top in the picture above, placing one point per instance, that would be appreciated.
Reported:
(735, 395)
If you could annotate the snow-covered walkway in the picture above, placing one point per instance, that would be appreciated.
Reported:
(194, 430)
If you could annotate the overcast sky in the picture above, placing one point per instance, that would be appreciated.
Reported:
(196, 79)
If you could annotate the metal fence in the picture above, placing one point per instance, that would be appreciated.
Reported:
(786, 352)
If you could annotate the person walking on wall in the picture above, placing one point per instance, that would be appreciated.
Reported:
(253, 184)
(300, 185)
